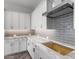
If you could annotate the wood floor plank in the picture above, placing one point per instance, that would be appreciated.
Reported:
(22, 55)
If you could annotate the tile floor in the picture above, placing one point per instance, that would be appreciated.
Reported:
(22, 55)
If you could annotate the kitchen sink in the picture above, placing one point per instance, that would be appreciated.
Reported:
(58, 48)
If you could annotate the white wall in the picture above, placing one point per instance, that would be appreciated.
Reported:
(37, 20)
(16, 20)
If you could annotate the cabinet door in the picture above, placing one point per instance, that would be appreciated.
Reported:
(8, 20)
(22, 44)
(14, 46)
(21, 21)
(30, 48)
(15, 20)
(7, 47)
(45, 53)
(27, 21)
(36, 53)
(42, 55)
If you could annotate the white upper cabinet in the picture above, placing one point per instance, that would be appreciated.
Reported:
(37, 20)
(27, 21)
(16, 20)
(7, 20)
(24, 21)
(21, 21)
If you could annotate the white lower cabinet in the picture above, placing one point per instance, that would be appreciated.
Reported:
(34, 50)
(43, 53)
(14, 45)
(7, 47)
(22, 44)
(38, 51)
(11, 46)
(46, 53)
(30, 48)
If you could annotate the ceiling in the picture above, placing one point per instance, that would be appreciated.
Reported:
(21, 5)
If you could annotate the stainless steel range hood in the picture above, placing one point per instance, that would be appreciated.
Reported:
(62, 9)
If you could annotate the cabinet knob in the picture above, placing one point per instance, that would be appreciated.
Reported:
(11, 44)
(11, 27)
(28, 44)
(33, 49)
(35, 45)
(62, 0)
(40, 58)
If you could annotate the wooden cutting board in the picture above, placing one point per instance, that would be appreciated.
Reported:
(58, 48)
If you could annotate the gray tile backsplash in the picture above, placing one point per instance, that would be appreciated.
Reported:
(62, 30)
(63, 23)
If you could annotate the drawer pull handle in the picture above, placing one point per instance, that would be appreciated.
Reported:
(40, 58)
(33, 49)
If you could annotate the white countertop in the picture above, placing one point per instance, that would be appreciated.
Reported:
(42, 40)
